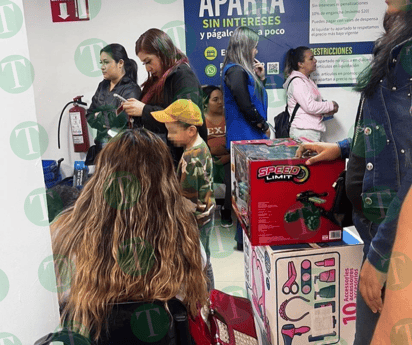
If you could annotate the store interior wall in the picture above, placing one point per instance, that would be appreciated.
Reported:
(28, 301)
(53, 45)
(28, 309)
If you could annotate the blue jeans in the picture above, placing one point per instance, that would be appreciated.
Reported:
(366, 320)
(239, 233)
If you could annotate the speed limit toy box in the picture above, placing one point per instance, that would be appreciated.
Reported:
(277, 198)
(304, 294)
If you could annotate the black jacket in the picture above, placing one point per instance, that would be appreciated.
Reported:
(181, 83)
(126, 88)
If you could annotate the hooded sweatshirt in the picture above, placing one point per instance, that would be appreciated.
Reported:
(304, 91)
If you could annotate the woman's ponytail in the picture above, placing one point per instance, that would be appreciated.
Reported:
(117, 52)
(293, 57)
(130, 67)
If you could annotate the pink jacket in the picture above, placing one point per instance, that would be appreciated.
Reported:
(304, 91)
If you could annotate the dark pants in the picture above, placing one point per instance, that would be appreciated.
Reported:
(366, 320)
(228, 193)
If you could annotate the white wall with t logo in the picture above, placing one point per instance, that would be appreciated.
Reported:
(28, 303)
(44, 65)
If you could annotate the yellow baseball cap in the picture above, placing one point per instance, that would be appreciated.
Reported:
(183, 110)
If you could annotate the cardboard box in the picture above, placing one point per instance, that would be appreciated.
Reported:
(304, 293)
(277, 198)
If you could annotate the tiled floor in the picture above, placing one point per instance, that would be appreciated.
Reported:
(226, 261)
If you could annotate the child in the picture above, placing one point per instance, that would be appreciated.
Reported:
(195, 171)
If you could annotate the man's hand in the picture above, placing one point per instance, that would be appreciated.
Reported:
(370, 286)
(325, 152)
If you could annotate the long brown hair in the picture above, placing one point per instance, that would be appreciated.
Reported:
(144, 212)
(398, 29)
(157, 42)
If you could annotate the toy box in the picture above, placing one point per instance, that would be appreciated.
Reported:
(304, 293)
(280, 200)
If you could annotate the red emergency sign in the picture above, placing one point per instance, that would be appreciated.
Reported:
(69, 10)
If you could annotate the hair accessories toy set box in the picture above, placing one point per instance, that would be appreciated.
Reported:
(304, 293)
(280, 200)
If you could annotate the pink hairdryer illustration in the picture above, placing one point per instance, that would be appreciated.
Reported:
(289, 331)
(327, 276)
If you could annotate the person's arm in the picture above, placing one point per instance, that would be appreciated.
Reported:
(374, 271)
(345, 147)
(303, 95)
(398, 295)
(324, 152)
(149, 121)
(236, 80)
(224, 159)
(93, 105)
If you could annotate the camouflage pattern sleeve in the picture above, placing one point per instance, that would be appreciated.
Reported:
(195, 172)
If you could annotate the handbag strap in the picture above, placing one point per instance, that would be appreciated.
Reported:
(359, 117)
(296, 106)
(213, 317)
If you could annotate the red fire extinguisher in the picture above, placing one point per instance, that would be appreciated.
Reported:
(78, 124)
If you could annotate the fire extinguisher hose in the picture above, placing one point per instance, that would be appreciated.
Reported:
(60, 120)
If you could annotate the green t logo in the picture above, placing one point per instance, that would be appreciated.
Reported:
(11, 19)
(87, 57)
(16, 74)
(29, 140)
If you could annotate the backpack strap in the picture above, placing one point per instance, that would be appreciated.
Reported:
(296, 106)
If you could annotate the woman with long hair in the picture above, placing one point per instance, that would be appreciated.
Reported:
(379, 171)
(246, 100)
(170, 77)
(119, 77)
(301, 89)
(129, 236)
(244, 92)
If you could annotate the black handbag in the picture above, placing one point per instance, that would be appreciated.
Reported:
(126, 328)
(283, 120)
(341, 212)
(342, 208)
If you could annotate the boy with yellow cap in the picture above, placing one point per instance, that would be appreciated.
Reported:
(195, 169)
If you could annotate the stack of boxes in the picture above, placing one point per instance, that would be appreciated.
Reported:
(301, 269)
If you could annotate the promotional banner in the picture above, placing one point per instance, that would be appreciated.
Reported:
(339, 32)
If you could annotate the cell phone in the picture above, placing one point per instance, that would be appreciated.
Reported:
(120, 97)
(119, 110)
